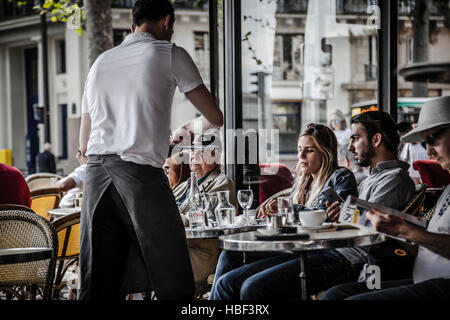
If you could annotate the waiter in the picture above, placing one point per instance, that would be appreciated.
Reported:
(132, 236)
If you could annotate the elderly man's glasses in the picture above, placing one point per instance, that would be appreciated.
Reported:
(431, 139)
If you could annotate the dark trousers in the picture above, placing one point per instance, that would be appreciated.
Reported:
(132, 238)
(434, 289)
(277, 277)
(113, 236)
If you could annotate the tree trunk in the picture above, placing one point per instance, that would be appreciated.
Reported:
(99, 27)
(421, 31)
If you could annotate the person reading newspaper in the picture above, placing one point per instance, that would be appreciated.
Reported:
(431, 275)
(374, 143)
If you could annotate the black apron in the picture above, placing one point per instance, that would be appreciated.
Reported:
(162, 263)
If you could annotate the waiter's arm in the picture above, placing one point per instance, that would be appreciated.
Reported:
(211, 118)
(85, 131)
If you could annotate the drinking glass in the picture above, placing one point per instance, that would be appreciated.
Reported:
(285, 208)
(224, 211)
(211, 216)
(245, 199)
(205, 205)
(78, 199)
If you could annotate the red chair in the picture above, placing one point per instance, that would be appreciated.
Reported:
(273, 177)
(432, 173)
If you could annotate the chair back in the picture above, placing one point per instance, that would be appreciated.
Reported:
(68, 231)
(414, 205)
(270, 184)
(20, 227)
(432, 173)
(42, 180)
(46, 199)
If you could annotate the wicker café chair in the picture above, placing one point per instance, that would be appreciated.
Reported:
(414, 206)
(46, 199)
(42, 180)
(20, 227)
(68, 231)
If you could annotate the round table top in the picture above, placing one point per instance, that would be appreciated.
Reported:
(211, 233)
(63, 211)
(317, 241)
(20, 255)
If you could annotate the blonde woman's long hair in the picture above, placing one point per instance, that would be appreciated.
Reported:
(326, 143)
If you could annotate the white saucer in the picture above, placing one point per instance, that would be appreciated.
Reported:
(325, 225)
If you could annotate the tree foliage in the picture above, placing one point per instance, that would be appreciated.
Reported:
(65, 11)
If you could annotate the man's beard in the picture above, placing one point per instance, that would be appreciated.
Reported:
(365, 157)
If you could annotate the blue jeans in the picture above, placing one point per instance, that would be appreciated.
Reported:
(277, 277)
(433, 289)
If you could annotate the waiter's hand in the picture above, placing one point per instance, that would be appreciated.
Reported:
(333, 210)
(268, 209)
(181, 135)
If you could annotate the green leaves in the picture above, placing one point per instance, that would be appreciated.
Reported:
(65, 11)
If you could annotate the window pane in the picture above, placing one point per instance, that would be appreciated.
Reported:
(423, 41)
(305, 61)
(191, 32)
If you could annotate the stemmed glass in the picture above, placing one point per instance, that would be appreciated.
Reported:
(245, 199)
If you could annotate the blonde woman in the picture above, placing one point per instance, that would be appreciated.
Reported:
(276, 276)
(316, 170)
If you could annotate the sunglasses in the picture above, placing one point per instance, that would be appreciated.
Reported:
(431, 139)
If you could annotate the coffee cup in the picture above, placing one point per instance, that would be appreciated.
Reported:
(312, 218)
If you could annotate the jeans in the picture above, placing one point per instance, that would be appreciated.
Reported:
(433, 289)
(277, 277)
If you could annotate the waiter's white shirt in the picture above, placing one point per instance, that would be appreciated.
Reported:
(128, 95)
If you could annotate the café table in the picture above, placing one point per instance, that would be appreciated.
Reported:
(21, 255)
(61, 212)
(339, 237)
(216, 232)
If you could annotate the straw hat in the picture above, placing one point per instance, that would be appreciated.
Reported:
(434, 113)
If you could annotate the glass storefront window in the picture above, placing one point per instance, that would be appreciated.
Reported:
(317, 57)
(423, 39)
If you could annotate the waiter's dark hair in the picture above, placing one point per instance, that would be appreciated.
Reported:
(151, 11)
(380, 122)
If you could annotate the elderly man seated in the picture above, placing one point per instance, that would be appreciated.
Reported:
(204, 160)
(431, 275)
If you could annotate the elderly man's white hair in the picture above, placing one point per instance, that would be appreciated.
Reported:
(47, 146)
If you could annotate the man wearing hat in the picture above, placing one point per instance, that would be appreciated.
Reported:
(431, 275)
(204, 160)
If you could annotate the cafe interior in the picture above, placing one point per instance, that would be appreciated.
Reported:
(276, 69)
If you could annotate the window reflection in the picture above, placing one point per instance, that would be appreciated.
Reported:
(318, 57)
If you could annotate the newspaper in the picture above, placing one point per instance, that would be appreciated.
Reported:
(354, 212)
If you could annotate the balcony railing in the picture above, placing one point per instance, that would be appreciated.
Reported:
(179, 4)
(9, 10)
